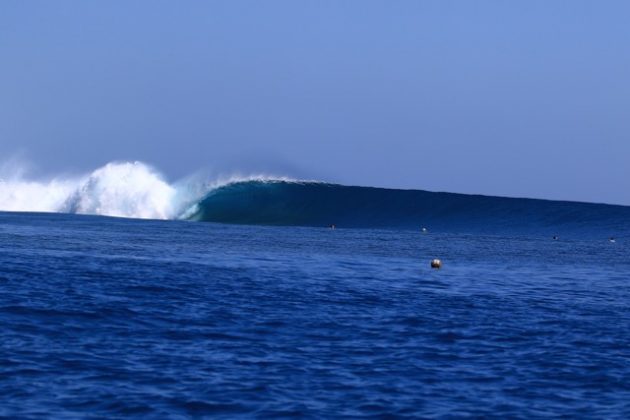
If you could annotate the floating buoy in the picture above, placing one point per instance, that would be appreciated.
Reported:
(436, 263)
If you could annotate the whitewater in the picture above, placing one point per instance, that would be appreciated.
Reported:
(138, 191)
(119, 189)
(119, 317)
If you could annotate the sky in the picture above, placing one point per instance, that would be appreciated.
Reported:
(513, 98)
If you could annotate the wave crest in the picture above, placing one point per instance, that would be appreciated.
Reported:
(136, 190)
(123, 190)
(119, 189)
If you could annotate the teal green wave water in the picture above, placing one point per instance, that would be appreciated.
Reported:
(322, 204)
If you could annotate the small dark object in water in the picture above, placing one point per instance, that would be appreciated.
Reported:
(555, 238)
(436, 263)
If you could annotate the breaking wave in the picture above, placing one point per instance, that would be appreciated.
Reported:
(135, 190)
(117, 189)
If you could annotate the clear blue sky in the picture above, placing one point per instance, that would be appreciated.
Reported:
(517, 98)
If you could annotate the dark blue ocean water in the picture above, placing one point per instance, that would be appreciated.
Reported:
(103, 317)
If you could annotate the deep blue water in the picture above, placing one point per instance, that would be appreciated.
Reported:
(109, 317)
(317, 204)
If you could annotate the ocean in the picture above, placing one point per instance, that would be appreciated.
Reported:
(272, 313)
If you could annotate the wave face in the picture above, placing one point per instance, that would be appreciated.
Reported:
(135, 190)
(321, 204)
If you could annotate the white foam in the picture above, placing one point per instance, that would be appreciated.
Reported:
(121, 189)
(20, 195)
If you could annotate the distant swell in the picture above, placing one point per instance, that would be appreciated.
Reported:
(135, 190)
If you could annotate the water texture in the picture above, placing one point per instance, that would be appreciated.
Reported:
(107, 317)
(135, 190)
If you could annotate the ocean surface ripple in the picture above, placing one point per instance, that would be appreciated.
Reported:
(111, 317)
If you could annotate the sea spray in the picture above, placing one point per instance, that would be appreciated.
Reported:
(123, 190)
(119, 189)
